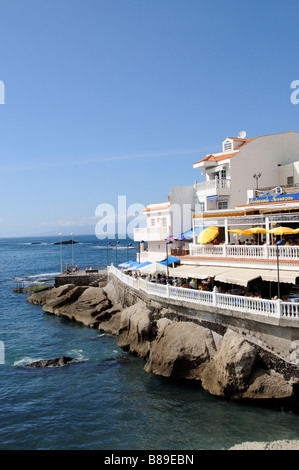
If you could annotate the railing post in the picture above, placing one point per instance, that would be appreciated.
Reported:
(265, 251)
(167, 290)
(278, 308)
(215, 296)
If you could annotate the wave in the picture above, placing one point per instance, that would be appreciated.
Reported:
(77, 355)
(36, 277)
(113, 247)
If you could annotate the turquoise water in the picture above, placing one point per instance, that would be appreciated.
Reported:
(105, 400)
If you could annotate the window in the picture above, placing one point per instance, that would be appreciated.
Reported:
(164, 222)
(227, 145)
(153, 222)
(290, 180)
(222, 205)
(222, 174)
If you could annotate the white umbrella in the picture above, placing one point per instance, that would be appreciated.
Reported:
(154, 268)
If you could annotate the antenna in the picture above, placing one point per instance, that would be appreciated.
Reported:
(242, 135)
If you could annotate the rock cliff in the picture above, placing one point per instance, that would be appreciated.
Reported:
(225, 364)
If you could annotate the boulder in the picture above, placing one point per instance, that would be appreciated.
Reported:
(109, 320)
(57, 362)
(228, 372)
(111, 293)
(180, 349)
(134, 329)
(82, 304)
(41, 297)
(268, 385)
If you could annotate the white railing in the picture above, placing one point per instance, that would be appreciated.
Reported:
(255, 305)
(246, 251)
(213, 184)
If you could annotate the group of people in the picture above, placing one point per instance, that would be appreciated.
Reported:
(68, 270)
(280, 241)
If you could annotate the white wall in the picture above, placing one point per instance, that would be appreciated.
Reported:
(182, 207)
(157, 251)
(262, 155)
(291, 169)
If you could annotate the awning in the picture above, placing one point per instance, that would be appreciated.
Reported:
(284, 276)
(127, 264)
(171, 260)
(197, 272)
(239, 276)
(137, 266)
(153, 268)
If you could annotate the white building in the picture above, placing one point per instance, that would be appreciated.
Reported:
(243, 164)
(164, 221)
(157, 230)
(244, 170)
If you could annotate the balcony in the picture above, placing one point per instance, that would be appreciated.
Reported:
(149, 234)
(215, 186)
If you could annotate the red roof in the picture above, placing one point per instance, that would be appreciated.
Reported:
(222, 155)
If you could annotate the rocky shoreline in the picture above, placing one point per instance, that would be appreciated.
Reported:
(222, 361)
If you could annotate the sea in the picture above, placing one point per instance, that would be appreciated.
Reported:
(105, 400)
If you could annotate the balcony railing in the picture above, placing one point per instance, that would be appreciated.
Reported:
(214, 184)
(285, 252)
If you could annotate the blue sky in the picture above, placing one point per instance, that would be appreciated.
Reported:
(106, 98)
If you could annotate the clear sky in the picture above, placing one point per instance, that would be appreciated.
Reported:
(108, 98)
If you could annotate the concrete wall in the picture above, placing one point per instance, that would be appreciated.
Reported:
(279, 336)
(81, 279)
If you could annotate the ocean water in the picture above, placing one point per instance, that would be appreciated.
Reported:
(105, 400)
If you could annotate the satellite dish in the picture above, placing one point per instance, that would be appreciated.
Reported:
(242, 135)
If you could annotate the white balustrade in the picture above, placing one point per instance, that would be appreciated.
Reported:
(255, 305)
(246, 251)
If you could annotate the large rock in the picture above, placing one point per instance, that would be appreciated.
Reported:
(180, 349)
(83, 304)
(268, 385)
(134, 329)
(225, 365)
(57, 362)
(228, 372)
(40, 298)
(110, 320)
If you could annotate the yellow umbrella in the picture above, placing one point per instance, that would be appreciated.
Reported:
(208, 234)
(257, 230)
(281, 231)
(239, 231)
